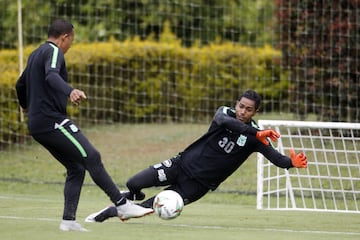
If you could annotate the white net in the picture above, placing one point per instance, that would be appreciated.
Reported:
(332, 180)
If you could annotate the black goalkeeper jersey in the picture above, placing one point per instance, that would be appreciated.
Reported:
(42, 88)
(226, 145)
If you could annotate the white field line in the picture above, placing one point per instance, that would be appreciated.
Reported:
(29, 219)
(28, 198)
(176, 225)
(255, 229)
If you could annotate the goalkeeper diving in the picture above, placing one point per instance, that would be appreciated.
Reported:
(232, 137)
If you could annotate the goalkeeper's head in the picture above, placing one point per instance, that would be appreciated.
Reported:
(252, 95)
(247, 106)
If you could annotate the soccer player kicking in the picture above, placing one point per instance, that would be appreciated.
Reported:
(43, 91)
(232, 136)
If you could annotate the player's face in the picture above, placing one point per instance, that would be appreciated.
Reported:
(67, 40)
(245, 109)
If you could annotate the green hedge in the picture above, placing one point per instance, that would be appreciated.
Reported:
(11, 128)
(148, 81)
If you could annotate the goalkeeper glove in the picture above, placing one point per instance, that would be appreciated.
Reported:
(262, 135)
(299, 160)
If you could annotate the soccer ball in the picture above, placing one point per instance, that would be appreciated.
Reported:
(168, 204)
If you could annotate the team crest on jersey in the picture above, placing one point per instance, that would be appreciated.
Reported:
(241, 140)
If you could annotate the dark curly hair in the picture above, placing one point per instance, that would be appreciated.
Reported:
(252, 95)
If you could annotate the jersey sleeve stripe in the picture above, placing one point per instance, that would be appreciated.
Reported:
(54, 56)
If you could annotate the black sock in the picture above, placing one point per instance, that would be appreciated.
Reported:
(147, 203)
(121, 201)
(106, 214)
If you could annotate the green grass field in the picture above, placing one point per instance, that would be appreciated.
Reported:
(31, 195)
(33, 212)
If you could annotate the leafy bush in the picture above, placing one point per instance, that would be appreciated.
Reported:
(148, 81)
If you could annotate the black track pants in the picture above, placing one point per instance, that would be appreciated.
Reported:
(73, 150)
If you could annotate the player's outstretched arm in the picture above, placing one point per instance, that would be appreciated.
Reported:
(224, 116)
(298, 160)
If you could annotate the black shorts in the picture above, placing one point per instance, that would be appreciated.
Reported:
(169, 173)
(72, 149)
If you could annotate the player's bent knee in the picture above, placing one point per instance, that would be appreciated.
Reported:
(131, 185)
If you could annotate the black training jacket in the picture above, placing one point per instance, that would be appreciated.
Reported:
(42, 88)
(227, 144)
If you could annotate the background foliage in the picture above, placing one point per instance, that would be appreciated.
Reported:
(192, 21)
(177, 83)
(320, 41)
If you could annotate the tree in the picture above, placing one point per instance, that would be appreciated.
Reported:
(320, 44)
(249, 22)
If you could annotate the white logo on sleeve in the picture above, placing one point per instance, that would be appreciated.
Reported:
(74, 128)
(161, 175)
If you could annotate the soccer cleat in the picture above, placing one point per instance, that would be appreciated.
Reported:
(71, 225)
(133, 196)
(102, 215)
(132, 210)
